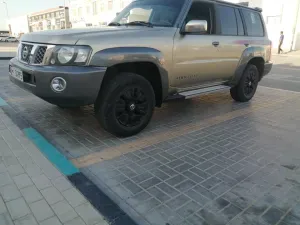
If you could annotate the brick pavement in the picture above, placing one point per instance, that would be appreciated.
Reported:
(32, 190)
(206, 160)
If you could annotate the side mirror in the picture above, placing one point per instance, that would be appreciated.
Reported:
(196, 26)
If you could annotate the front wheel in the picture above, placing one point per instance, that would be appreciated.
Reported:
(247, 86)
(125, 104)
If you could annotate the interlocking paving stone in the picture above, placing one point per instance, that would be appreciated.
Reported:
(41, 210)
(64, 211)
(74, 197)
(17, 208)
(9, 192)
(52, 195)
(51, 221)
(41, 182)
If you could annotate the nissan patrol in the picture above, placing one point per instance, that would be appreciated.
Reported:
(152, 51)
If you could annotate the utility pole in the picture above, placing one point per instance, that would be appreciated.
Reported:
(9, 27)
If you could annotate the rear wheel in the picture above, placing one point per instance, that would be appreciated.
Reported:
(247, 86)
(125, 105)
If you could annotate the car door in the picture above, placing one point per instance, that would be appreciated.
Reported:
(195, 55)
(233, 41)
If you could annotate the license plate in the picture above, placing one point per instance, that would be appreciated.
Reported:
(16, 73)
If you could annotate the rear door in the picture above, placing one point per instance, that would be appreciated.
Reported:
(233, 41)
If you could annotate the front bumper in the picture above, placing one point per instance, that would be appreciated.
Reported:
(83, 83)
(267, 68)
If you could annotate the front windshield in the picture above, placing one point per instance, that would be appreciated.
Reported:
(155, 12)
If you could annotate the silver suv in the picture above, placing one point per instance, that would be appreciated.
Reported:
(152, 51)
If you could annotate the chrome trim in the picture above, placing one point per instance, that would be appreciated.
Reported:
(33, 52)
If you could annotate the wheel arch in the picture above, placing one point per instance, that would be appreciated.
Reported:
(147, 62)
(253, 55)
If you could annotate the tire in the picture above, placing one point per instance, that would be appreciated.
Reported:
(247, 86)
(125, 105)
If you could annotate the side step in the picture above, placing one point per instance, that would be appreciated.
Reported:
(197, 92)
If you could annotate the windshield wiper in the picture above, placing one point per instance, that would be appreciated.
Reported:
(114, 24)
(139, 23)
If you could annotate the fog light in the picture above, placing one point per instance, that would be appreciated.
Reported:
(58, 84)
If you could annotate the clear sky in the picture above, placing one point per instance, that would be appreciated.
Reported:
(24, 7)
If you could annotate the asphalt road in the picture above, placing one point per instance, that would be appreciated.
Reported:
(285, 73)
(8, 44)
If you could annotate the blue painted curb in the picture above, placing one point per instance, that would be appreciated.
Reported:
(2, 102)
(53, 155)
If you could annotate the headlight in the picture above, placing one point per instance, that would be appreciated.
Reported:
(65, 54)
(70, 55)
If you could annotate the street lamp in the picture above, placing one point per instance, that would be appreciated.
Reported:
(6, 9)
(3, 2)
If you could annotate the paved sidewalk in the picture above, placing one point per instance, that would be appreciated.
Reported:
(32, 190)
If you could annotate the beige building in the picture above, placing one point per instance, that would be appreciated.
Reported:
(88, 13)
(50, 19)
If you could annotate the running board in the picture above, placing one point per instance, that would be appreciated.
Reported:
(197, 92)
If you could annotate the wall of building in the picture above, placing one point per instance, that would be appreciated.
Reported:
(52, 19)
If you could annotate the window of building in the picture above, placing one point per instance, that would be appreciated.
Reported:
(122, 4)
(57, 14)
(52, 15)
(228, 20)
(110, 5)
(74, 12)
(201, 11)
(94, 8)
(40, 17)
(88, 10)
(80, 12)
(102, 7)
(241, 31)
(253, 23)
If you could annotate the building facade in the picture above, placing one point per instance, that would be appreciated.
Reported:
(50, 19)
(90, 13)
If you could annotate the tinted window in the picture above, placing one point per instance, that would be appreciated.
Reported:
(201, 11)
(253, 23)
(228, 20)
(157, 12)
(241, 31)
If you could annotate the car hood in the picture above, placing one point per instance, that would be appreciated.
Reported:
(72, 36)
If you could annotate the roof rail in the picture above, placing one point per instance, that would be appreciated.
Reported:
(258, 9)
(241, 4)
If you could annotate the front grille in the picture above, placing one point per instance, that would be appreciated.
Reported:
(32, 53)
(25, 52)
(39, 55)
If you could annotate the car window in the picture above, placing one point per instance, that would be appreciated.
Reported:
(201, 11)
(157, 12)
(253, 23)
(228, 20)
(241, 31)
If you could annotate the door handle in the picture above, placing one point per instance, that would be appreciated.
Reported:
(216, 43)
